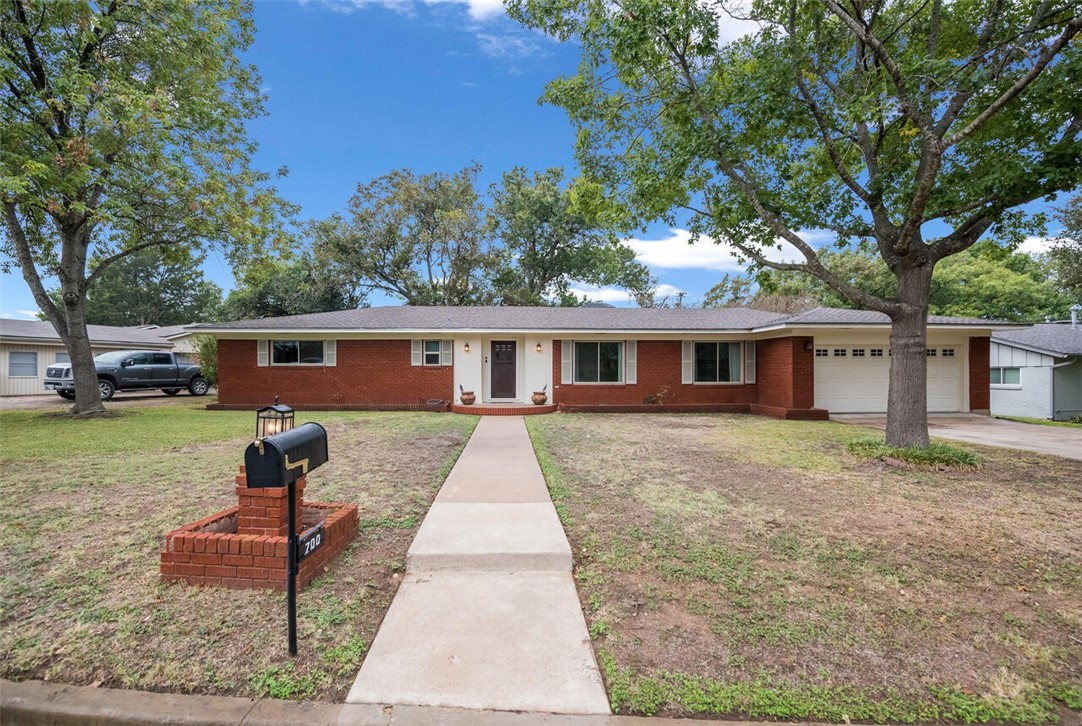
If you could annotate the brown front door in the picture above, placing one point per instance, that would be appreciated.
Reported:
(503, 369)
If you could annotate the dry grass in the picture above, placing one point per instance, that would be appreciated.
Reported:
(744, 566)
(86, 504)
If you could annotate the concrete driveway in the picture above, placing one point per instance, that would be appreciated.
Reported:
(975, 429)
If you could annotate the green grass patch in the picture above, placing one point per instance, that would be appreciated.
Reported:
(1042, 421)
(935, 454)
(550, 469)
(769, 697)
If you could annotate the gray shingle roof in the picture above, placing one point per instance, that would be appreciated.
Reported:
(103, 335)
(508, 319)
(839, 316)
(1056, 338)
(411, 318)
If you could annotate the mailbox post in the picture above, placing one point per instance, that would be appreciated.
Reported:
(277, 461)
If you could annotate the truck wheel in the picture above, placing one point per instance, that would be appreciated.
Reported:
(66, 395)
(106, 388)
(198, 386)
(170, 391)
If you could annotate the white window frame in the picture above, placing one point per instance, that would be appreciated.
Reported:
(419, 353)
(687, 367)
(1001, 369)
(11, 366)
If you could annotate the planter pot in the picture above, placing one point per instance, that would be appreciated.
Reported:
(539, 398)
(467, 398)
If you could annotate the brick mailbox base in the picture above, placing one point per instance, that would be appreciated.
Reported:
(245, 546)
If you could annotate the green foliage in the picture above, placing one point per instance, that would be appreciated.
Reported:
(283, 682)
(206, 347)
(275, 288)
(1066, 253)
(934, 455)
(124, 129)
(418, 237)
(548, 240)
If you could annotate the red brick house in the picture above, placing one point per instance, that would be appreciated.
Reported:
(722, 359)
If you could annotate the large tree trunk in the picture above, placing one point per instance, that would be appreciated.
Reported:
(907, 400)
(73, 292)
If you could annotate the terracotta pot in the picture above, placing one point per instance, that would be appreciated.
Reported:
(467, 398)
(539, 398)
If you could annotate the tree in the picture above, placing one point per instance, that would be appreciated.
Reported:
(123, 130)
(1066, 252)
(917, 126)
(418, 237)
(273, 288)
(148, 288)
(547, 241)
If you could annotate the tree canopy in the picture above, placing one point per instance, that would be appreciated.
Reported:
(124, 130)
(273, 288)
(915, 126)
(149, 288)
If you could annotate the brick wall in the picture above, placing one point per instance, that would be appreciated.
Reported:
(658, 367)
(368, 373)
(786, 373)
(979, 374)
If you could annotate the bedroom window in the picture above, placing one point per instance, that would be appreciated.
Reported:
(22, 364)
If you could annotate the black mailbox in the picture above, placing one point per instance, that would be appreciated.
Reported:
(280, 460)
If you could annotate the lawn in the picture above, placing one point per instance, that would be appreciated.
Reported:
(85, 505)
(739, 566)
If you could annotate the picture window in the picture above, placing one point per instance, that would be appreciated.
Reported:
(297, 352)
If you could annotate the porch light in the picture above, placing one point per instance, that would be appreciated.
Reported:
(466, 347)
(271, 420)
(538, 348)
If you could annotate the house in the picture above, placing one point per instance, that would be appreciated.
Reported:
(1037, 372)
(720, 359)
(28, 347)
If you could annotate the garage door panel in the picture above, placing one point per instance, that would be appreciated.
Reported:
(859, 383)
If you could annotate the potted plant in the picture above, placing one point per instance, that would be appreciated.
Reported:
(540, 397)
(467, 397)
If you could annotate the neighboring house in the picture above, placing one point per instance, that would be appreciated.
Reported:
(181, 339)
(722, 359)
(28, 347)
(1037, 372)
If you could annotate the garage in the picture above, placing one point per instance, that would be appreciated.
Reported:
(853, 377)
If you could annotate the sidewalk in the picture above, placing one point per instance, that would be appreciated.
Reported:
(487, 617)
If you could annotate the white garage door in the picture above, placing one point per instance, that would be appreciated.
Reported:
(854, 379)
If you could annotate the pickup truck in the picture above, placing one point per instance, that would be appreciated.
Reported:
(130, 370)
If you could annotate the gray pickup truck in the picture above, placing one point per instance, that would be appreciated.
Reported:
(130, 370)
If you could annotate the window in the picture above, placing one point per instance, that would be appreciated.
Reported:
(598, 362)
(858, 352)
(22, 364)
(162, 359)
(1006, 377)
(875, 352)
(839, 352)
(296, 352)
(948, 352)
(821, 352)
(749, 362)
(432, 352)
(930, 352)
(717, 362)
(63, 357)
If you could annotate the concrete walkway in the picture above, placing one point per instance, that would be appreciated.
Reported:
(487, 616)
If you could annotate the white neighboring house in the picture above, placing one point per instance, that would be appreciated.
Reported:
(1037, 372)
(28, 347)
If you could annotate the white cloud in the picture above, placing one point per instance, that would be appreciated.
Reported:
(20, 315)
(478, 9)
(665, 290)
(1036, 245)
(515, 45)
(601, 294)
(676, 252)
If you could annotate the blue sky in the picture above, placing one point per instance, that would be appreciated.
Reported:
(357, 88)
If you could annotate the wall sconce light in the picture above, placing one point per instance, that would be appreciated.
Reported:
(808, 345)
(466, 348)
(538, 348)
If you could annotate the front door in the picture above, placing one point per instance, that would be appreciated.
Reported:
(503, 369)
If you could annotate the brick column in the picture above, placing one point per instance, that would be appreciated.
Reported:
(264, 511)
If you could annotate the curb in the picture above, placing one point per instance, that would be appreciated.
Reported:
(37, 703)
